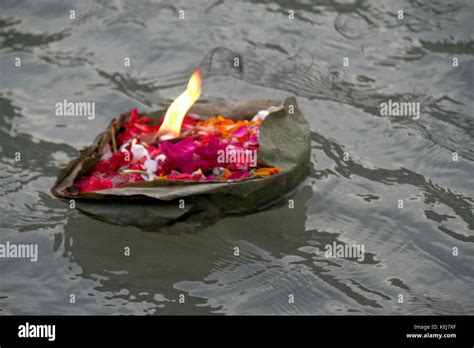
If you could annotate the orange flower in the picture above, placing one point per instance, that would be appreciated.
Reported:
(267, 171)
(227, 126)
(226, 175)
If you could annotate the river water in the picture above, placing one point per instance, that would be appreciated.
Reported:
(418, 259)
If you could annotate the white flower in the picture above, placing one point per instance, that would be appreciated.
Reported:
(123, 146)
(218, 171)
(261, 115)
(151, 168)
(160, 159)
(107, 153)
(197, 172)
(151, 165)
(139, 152)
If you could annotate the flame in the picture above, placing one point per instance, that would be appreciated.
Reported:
(177, 110)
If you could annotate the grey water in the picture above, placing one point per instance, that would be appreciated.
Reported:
(418, 259)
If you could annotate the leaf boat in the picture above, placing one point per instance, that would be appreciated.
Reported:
(284, 142)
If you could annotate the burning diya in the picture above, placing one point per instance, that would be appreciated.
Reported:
(211, 158)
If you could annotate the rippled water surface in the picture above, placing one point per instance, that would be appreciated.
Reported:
(363, 163)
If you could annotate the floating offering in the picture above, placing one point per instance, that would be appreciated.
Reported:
(211, 158)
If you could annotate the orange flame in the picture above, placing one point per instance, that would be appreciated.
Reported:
(177, 110)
